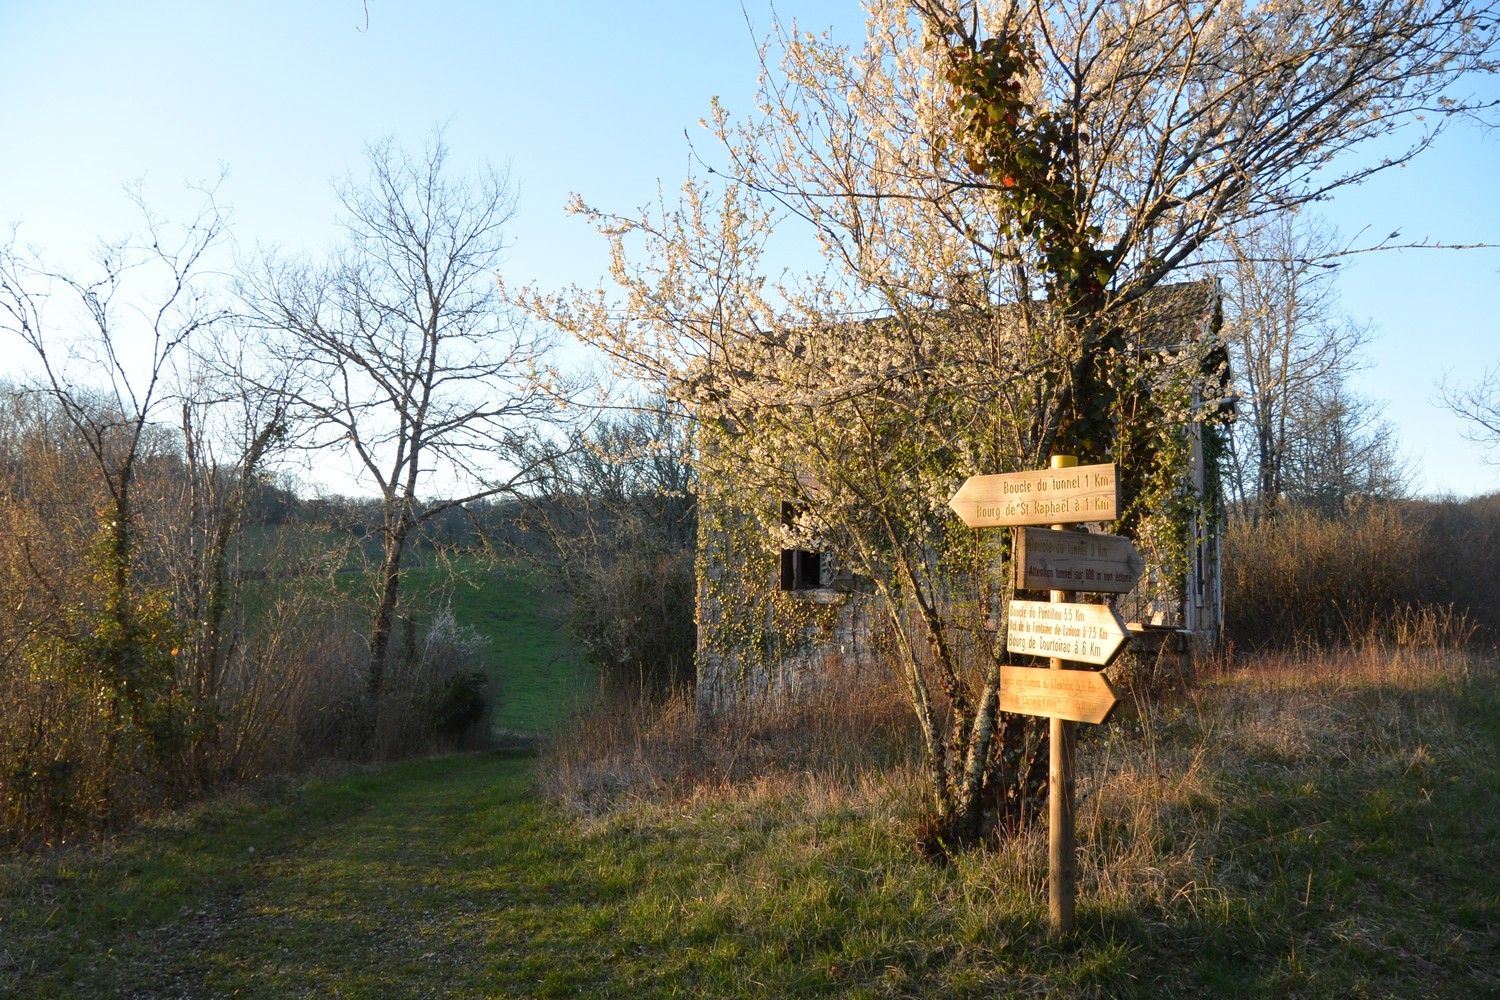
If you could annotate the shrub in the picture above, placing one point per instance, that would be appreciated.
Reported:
(437, 694)
(458, 688)
(633, 616)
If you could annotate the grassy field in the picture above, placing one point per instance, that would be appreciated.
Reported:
(1296, 828)
(539, 679)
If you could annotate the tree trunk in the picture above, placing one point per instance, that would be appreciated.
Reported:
(384, 619)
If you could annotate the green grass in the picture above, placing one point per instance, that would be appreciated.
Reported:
(1351, 859)
(540, 679)
(449, 878)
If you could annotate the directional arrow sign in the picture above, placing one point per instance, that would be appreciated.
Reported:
(1087, 633)
(1074, 695)
(1046, 496)
(1076, 560)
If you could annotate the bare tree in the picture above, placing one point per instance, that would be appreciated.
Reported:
(107, 345)
(1292, 351)
(614, 522)
(1478, 403)
(1341, 453)
(231, 431)
(409, 360)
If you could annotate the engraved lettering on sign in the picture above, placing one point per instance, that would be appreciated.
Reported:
(1085, 493)
(1087, 633)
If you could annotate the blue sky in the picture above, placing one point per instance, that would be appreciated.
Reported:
(586, 97)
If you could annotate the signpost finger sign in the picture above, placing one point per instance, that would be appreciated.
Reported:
(1047, 496)
(1076, 560)
(1074, 695)
(1085, 633)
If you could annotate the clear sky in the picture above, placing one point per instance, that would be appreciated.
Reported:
(584, 97)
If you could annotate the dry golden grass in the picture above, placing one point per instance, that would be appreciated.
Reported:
(1168, 789)
(1169, 801)
(1310, 579)
(1307, 579)
(838, 744)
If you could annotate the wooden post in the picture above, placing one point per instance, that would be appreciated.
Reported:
(1062, 855)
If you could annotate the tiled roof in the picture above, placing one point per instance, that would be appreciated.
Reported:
(1166, 317)
(1169, 315)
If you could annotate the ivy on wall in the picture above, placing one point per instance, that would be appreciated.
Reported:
(749, 630)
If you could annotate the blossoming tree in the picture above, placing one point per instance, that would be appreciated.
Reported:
(992, 193)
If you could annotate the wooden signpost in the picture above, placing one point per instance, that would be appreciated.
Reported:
(1062, 562)
(1076, 560)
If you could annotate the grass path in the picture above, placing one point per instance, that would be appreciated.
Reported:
(442, 878)
(541, 679)
(418, 880)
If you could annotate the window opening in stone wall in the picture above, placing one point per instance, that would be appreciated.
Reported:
(801, 569)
